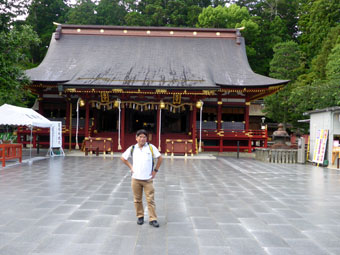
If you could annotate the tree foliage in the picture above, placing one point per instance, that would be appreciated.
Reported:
(316, 19)
(319, 88)
(111, 12)
(9, 10)
(14, 45)
(41, 15)
(286, 65)
(83, 13)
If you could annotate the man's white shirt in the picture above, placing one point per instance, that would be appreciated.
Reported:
(141, 160)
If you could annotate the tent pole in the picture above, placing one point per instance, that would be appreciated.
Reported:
(31, 143)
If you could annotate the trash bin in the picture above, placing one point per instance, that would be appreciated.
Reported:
(301, 151)
(325, 162)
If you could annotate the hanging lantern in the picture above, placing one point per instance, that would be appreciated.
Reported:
(81, 103)
(191, 107)
(162, 104)
(199, 104)
(93, 104)
(116, 104)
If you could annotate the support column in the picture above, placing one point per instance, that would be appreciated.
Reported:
(158, 140)
(67, 122)
(219, 120)
(122, 128)
(219, 116)
(246, 119)
(246, 116)
(41, 105)
(70, 128)
(87, 118)
(266, 138)
(194, 111)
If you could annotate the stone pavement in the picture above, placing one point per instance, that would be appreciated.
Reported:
(83, 205)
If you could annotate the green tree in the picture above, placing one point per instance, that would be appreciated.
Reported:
(175, 13)
(268, 10)
(320, 61)
(135, 18)
(286, 64)
(223, 17)
(333, 65)
(14, 45)
(41, 15)
(83, 13)
(9, 10)
(316, 18)
(270, 33)
(322, 82)
(111, 12)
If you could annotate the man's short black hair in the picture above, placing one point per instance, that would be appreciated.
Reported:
(142, 131)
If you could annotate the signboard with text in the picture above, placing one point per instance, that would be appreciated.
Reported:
(320, 146)
(56, 134)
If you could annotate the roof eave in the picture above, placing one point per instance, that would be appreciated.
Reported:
(189, 29)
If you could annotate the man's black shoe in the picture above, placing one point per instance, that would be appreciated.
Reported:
(154, 223)
(140, 221)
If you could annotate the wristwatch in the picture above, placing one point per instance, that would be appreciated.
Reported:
(156, 170)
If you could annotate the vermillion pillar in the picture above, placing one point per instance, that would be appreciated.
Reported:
(246, 119)
(87, 119)
(219, 123)
(193, 123)
(246, 116)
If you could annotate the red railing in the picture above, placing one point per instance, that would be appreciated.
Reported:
(10, 151)
(248, 139)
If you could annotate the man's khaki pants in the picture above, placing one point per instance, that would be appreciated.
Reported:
(137, 188)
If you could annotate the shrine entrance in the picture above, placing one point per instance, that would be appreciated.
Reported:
(141, 120)
(107, 121)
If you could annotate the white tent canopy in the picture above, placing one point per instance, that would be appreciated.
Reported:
(20, 116)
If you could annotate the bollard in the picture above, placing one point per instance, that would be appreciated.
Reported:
(38, 144)
(266, 155)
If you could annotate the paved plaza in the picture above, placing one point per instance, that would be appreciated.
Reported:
(83, 205)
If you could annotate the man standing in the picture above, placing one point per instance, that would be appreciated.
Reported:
(143, 174)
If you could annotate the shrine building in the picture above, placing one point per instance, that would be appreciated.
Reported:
(177, 83)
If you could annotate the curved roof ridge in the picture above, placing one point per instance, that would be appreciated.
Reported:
(79, 58)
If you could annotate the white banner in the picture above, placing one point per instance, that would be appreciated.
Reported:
(56, 135)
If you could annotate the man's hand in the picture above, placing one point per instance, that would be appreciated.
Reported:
(126, 162)
(153, 174)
